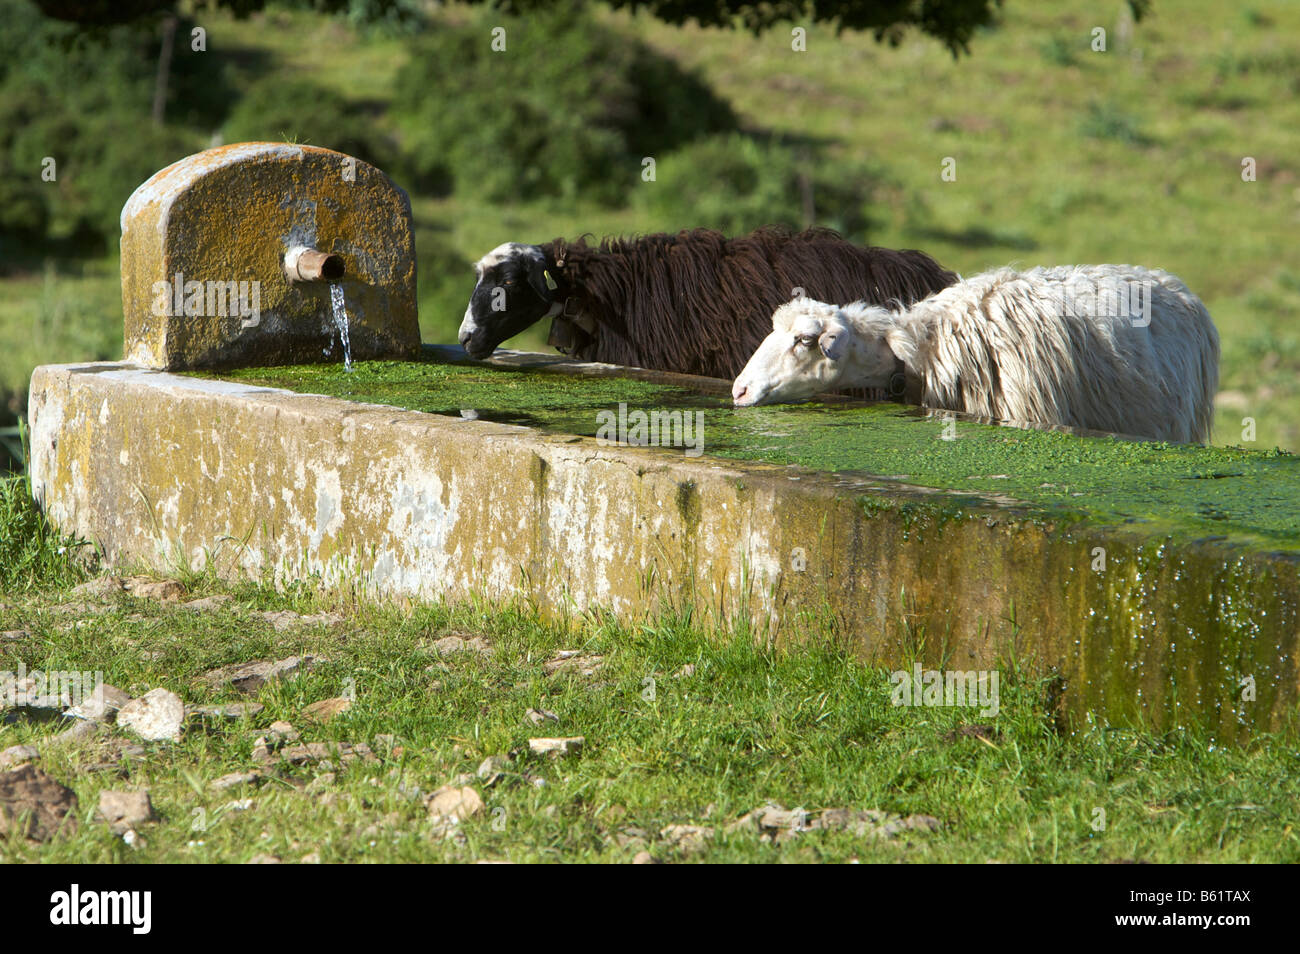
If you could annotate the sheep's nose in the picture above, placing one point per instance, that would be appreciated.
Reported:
(464, 339)
(738, 391)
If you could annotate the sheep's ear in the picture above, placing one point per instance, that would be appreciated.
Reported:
(541, 281)
(833, 343)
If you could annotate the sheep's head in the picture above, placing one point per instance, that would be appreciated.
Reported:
(816, 347)
(514, 290)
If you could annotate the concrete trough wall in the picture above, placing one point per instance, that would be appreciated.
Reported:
(158, 468)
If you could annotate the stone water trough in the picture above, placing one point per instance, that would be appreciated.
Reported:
(1150, 584)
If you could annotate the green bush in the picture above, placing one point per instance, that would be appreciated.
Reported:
(568, 109)
(85, 100)
(279, 110)
(736, 183)
(24, 206)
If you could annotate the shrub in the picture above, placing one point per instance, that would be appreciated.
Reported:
(278, 110)
(735, 183)
(85, 99)
(568, 109)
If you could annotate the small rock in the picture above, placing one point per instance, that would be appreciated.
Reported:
(644, 858)
(538, 716)
(263, 859)
(156, 716)
(873, 823)
(632, 838)
(165, 591)
(556, 747)
(226, 711)
(450, 645)
(125, 810)
(35, 805)
(80, 731)
(17, 755)
(238, 805)
(573, 661)
(281, 731)
(99, 588)
(326, 709)
(310, 859)
(687, 838)
(685, 672)
(986, 733)
(492, 768)
(319, 751)
(451, 805)
(250, 677)
(101, 706)
(208, 603)
(16, 634)
(321, 782)
(771, 818)
(282, 620)
(233, 779)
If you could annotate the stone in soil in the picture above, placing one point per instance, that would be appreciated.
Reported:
(452, 804)
(102, 705)
(99, 588)
(17, 755)
(451, 645)
(164, 591)
(573, 661)
(156, 716)
(251, 676)
(282, 620)
(34, 805)
(326, 709)
(228, 711)
(125, 810)
(233, 779)
(208, 603)
(687, 838)
(556, 747)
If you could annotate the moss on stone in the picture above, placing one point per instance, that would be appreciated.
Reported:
(1185, 492)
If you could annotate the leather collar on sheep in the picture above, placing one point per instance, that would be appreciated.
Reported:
(571, 327)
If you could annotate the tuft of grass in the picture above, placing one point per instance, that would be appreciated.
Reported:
(32, 553)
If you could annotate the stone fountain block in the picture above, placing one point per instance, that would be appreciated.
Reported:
(203, 247)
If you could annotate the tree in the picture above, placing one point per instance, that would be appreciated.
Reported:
(952, 22)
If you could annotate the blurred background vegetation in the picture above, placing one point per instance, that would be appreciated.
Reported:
(1063, 154)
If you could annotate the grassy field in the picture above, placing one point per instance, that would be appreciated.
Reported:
(683, 736)
(1062, 155)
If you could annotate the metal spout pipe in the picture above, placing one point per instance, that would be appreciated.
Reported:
(303, 264)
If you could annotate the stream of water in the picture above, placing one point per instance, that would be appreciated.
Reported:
(341, 323)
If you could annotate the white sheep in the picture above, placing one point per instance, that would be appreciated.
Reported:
(1107, 347)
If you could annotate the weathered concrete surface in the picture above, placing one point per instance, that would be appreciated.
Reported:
(229, 215)
(155, 467)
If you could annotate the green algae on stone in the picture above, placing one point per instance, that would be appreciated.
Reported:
(1184, 492)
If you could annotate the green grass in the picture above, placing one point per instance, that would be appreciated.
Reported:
(1181, 490)
(811, 729)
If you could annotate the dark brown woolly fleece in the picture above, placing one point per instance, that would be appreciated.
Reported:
(700, 303)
